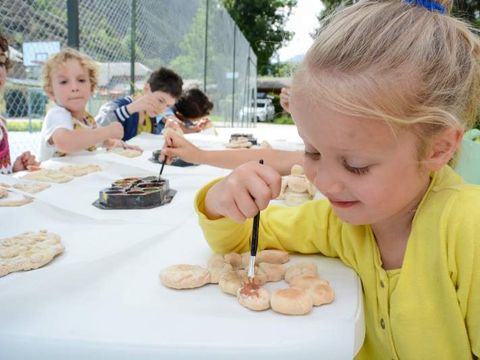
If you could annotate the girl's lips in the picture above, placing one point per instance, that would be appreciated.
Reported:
(343, 204)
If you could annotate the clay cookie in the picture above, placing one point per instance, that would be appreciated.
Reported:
(48, 175)
(28, 251)
(80, 170)
(131, 153)
(13, 199)
(31, 188)
(184, 276)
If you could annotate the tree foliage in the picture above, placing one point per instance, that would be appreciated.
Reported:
(262, 22)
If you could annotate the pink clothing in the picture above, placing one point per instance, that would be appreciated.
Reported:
(5, 162)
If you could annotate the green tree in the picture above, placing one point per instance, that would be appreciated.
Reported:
(262, 22)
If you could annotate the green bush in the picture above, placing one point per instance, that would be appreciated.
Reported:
(284, 120)
(22, 125)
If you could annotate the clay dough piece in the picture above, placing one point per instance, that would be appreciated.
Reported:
(274, 272)
(295, 199)
(3, 193)
(297, 170)
(130, 153)
(260, 277)
(253, 297)
(319, 289)
(31, 188)
(184, 276)
(265, 145)
(291, 301)
(298, 184)
(239, 143)
(48, 175)
(305, 281)
(230, 282)
(217, 266)
(15, 199)
(321, 294)
(28, 251)
(272, 257)
(234, 259)
(80, 170)
(301, 268)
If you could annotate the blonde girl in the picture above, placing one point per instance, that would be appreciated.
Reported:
(381, 102)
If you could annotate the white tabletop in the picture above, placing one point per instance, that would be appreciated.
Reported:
(102, 298)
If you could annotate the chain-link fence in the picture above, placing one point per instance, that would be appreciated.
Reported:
(129, 39)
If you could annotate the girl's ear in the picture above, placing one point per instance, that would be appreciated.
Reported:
(146, 88)
(443, 148)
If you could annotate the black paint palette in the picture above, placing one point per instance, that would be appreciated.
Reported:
(136, 193)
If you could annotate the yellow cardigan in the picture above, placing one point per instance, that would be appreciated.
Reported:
(428, 309)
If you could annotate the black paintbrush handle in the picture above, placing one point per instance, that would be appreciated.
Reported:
(256, 223)
(161, 168)
(254, 246)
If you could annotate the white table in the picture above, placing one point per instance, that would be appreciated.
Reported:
(102, 298)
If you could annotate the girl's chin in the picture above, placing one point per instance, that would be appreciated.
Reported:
(348, 218)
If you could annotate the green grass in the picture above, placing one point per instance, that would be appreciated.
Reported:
(284, 120)
(23, 125)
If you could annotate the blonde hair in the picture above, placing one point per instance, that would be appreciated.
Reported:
(397, 62)
(61, 58)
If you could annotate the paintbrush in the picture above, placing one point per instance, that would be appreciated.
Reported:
(254, 244)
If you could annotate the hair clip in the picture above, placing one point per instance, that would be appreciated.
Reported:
(429, 5)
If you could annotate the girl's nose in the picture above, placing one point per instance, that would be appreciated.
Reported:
(327, 182)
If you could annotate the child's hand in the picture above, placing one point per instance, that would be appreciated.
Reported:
(25, 161)
(176, 145)
(172, 122)
(202, 124)
(152, 103)
(243, 193)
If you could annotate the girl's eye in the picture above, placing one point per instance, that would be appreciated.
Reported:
(3, 64)
(356, 170)
(312, 155)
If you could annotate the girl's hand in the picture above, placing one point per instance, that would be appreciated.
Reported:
(243, 193)
(24, 162)
(176, 145)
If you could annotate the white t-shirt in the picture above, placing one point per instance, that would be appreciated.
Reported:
(57, 118)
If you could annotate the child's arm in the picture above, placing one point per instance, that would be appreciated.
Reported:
(69, 141)
(281, 160)
(243, 193)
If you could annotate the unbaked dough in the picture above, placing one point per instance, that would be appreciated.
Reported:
(28, 251)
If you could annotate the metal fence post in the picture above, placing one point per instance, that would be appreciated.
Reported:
(133, 39)
(29, 102)
(205, 55)
(233, 72)
(73, 24)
